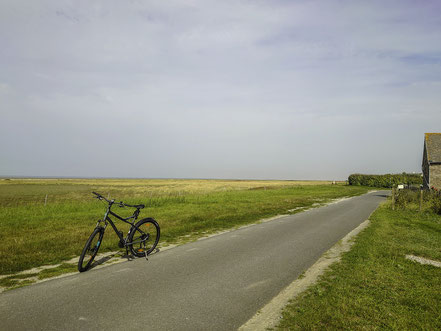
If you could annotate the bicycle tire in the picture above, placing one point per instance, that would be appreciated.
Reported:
(140, 246)
(90, 249)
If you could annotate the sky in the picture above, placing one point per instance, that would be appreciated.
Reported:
(217, 89)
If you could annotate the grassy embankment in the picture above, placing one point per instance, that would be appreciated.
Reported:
(34, 234)
(375, 286)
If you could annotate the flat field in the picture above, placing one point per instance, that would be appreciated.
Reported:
(47, 221)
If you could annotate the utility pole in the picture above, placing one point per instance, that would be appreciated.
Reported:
(393, 198)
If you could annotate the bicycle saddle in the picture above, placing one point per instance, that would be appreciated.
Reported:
(134, 206)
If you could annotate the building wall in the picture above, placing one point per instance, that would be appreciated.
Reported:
(435, 176)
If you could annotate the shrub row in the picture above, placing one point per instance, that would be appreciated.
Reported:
(388, 180)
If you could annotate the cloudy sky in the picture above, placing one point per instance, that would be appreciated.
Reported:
(217, 89)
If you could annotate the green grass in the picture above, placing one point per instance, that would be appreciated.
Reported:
(15, 280)
(19, 280)
(34, 234)
(374, 286)
(61, 269)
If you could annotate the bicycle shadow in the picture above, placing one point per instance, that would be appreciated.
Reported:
(128, 257)
(101, 260)
(156, 251)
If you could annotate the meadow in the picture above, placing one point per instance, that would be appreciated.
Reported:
(47, 221)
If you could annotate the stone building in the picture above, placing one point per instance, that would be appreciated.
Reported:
(432, 161)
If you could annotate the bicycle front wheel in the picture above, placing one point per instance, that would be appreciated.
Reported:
(90, 249)
(144, 237)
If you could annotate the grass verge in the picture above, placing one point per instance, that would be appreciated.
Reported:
(17, 280)
(375, 286)
(61, 269)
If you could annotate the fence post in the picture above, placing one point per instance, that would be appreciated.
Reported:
(421, 200)
(393, 198)
(45, 200)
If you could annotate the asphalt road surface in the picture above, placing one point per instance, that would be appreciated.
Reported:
(216, 283)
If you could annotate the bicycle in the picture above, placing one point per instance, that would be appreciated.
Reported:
(141, 238)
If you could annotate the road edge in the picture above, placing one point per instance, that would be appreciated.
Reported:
(268, 316)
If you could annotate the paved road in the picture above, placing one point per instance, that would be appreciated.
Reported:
(212, 284)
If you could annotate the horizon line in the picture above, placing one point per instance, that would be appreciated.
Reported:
(164, 178)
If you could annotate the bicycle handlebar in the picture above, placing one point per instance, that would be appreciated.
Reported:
(100, 197)
(121, 204)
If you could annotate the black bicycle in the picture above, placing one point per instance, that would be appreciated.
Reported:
(141, 239)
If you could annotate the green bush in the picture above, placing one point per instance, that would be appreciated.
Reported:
(386, 181)
(410, 199)
(435, 201)
(406, 197)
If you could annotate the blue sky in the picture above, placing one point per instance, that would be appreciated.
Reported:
(217, 89)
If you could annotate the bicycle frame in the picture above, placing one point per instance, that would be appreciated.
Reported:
(106, 219)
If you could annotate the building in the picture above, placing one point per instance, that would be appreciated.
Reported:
(432, 161)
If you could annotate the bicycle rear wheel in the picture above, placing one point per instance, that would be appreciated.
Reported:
(144, 237)
(90, 249)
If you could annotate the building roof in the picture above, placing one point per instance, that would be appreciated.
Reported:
(433, 147)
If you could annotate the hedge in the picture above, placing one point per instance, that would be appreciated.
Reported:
(388, 180)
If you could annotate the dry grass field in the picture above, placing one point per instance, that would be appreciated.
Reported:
(27, 190)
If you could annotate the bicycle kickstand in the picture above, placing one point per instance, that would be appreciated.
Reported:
(145, 252)
(127, 254)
